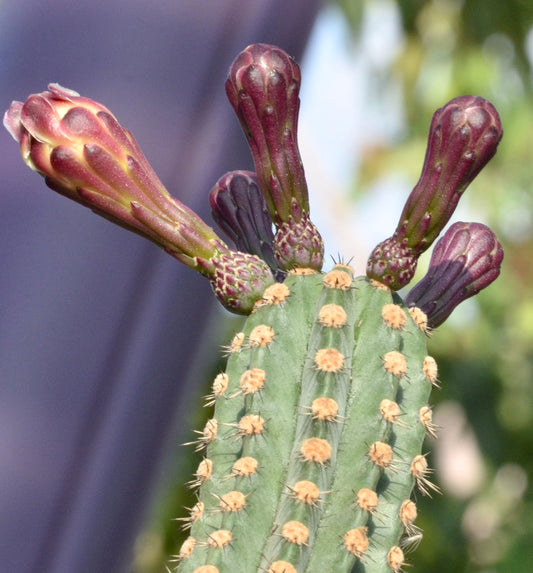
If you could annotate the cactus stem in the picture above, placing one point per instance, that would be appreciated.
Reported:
(353, 445)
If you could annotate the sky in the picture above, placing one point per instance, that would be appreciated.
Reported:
(347, 104)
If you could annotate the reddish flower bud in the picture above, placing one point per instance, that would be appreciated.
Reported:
(263, 87)
(463, 137)
(240, 280)
(464, 261)
(299, 245)
(85, 154)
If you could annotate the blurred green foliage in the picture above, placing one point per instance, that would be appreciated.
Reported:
(485, 352)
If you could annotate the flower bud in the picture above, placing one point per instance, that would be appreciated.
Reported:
(299, 245)
(239, 208)
(464, 261)
(463, 137)
(239, 280)
(85, 154)
(263, 86)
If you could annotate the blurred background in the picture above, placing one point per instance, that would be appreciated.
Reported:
(107, 344)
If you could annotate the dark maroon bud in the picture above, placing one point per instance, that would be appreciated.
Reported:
(463, 137)
(464, 261)
(239, 208)
(263, 86)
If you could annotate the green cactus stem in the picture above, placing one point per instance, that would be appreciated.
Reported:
(323, 393)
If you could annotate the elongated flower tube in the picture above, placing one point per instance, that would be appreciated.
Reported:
(239, 208)
(83, 153)
(465, 260)
(263, 86)
(463, 136)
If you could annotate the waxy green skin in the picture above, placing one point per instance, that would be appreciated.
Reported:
(292, 382)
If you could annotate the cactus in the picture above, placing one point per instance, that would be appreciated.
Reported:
(315, 444)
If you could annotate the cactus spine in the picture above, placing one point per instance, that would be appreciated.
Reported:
(315, 444)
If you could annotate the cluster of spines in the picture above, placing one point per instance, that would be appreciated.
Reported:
(341, 460)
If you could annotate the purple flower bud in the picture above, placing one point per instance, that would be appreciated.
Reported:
(263, 86)
(464, 261)
(86, 155)
(463, 137)
(239, 208)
